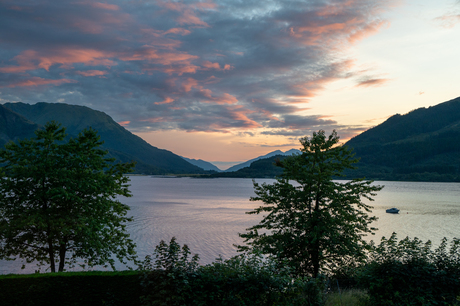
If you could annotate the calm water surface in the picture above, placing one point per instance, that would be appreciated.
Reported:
(208, 214)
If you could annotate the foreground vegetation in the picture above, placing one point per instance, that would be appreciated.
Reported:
(406, 272)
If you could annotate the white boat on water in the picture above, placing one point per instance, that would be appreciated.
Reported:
(392, 210)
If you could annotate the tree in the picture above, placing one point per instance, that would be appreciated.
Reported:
(311, 222)
(58, 201)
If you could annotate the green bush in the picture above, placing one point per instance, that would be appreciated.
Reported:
(174, 279)
(251, 280)
(408, 272)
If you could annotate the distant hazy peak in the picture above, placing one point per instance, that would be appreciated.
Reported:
(248, 163)
(202, 164)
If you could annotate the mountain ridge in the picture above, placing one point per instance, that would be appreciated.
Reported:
(121, 144)
(422, 145)
(268, 155)
(205, 165)
(13, 126)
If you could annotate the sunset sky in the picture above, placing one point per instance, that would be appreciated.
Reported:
(229, 80)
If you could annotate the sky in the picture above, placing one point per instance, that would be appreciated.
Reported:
(229, 80)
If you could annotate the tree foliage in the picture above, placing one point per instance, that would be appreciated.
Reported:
(311, 222)
(58, 201)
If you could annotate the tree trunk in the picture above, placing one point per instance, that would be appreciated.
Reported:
(62, 251)
(315, 261)
(51, 255)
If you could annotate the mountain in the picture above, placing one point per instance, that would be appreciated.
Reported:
(202, 164)
(14, 126)
(271, 154)
(121, 144)
(261, 168)
(422, 145)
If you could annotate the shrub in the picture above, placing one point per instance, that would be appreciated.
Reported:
(408, 272)
(172, 278)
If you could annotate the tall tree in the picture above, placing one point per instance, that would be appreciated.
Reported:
(312, 222)
(58, 201)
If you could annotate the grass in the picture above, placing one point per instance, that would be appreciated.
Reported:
(350, 297)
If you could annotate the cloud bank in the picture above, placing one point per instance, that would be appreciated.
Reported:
(214, 66)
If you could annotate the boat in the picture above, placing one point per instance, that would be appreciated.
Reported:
(392, 210)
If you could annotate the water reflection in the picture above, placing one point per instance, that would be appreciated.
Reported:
(208, 214)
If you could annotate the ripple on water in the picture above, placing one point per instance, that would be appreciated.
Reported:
(208, 214)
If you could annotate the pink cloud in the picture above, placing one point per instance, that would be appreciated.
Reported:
(372, 82)
(156, 119)
(124, 123)
(180, 70)
(209, 65)
(188, 11)
(167, 100)
(368, 30)
(179, 31)
(105, 6)
(188, 84)
(207, 96)
(146, 53)
(354, 29)
(337, 22)
(237, 112)
(449, 20)
(189, 17)
(173, 58)
(157, 40)
(102, 16)
(172, 62)
(37, 81)
(226, 98)
(91, 73)
(31, 60)
(25, 63)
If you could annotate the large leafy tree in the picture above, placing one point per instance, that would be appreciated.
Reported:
(311, 221)
(58, 201)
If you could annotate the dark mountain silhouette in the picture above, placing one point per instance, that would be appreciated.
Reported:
(202, 164)
(261, 168)
(14, 126)
(422, 145)
(269, 155)
(121, 144)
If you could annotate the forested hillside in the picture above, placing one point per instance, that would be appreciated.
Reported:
(422, 145)
(121, 144)
(13, 126)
